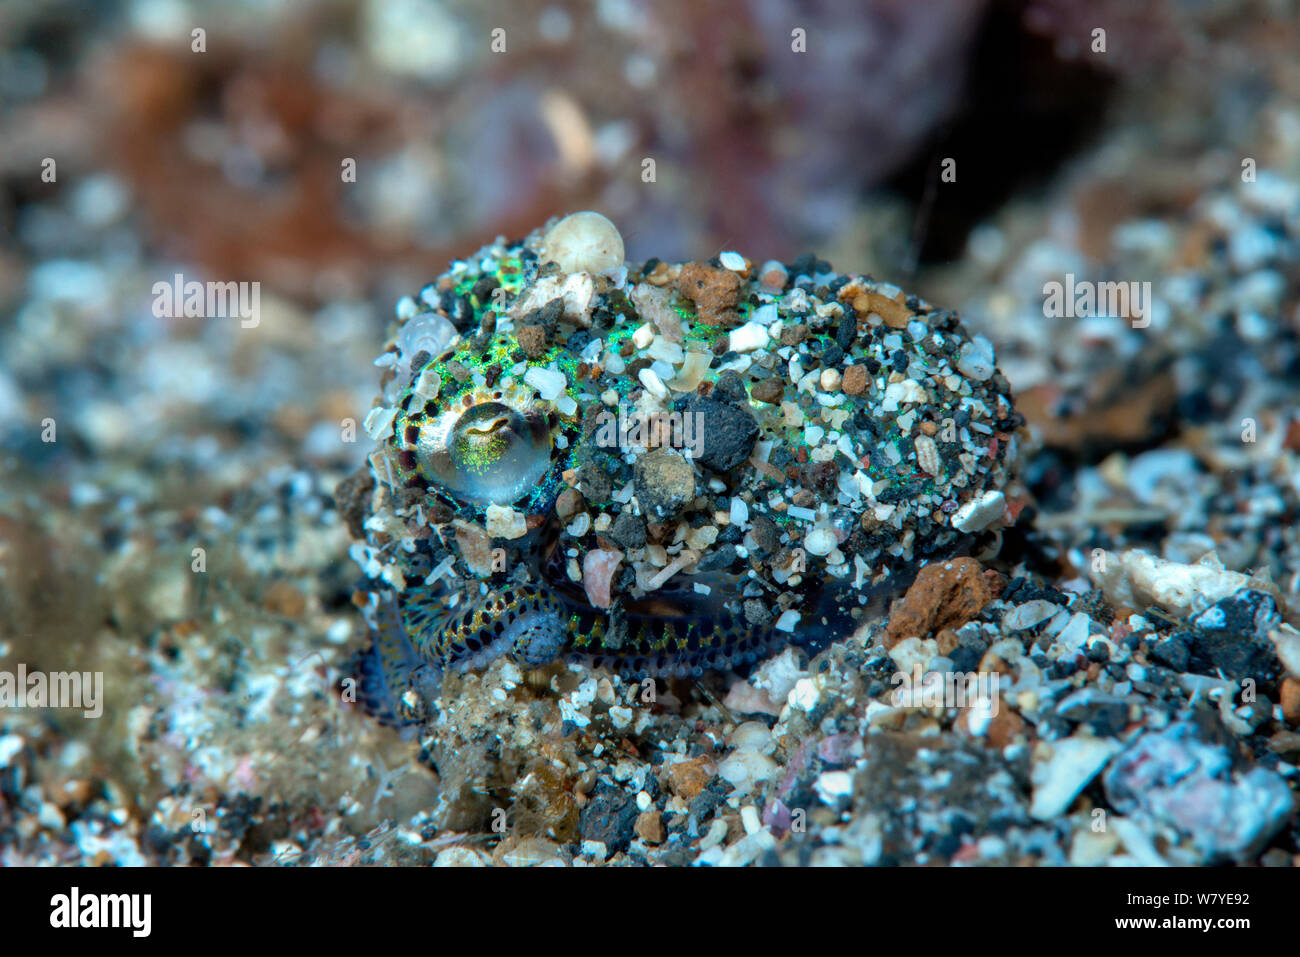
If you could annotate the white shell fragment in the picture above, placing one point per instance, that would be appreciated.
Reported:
(584, 242)
(505, 522)
(549, 383)
(1135, 578)
(1063, 769)
(980, 514)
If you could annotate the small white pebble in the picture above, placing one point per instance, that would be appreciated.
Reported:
(670, 352)
(804, 695)
(975, 359)
(10, 745)
(739, 512)
(733, 261)
(980, 514)
(833, 785)
(621, 717)
(747, 338)
(654, 385)
(549, 383)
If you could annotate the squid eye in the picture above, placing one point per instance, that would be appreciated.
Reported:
(491, 455)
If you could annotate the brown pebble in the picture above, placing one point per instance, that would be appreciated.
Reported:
(793, 335)
(475, 547)
(438, 513)
(1004, 727)
(293, 421)
(819, 478)
(650, 827)
(946, 594)
(532, 339)
(773, 279)
(636, 365)
(715, 292)
(352, 497)
(687, 779)
(767, 534)
(851, 290)
(1292, 440)
(281, 598)
(895, 314)
(661, 275)
(854, 380)
(569, 503)
(1285, 742)
(1290, 695)
(770, 391)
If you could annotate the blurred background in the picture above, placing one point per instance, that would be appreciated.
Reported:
(133, 148)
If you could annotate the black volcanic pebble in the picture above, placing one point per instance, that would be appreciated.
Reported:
(1231, 636)
(728, 432)
(609, 817)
